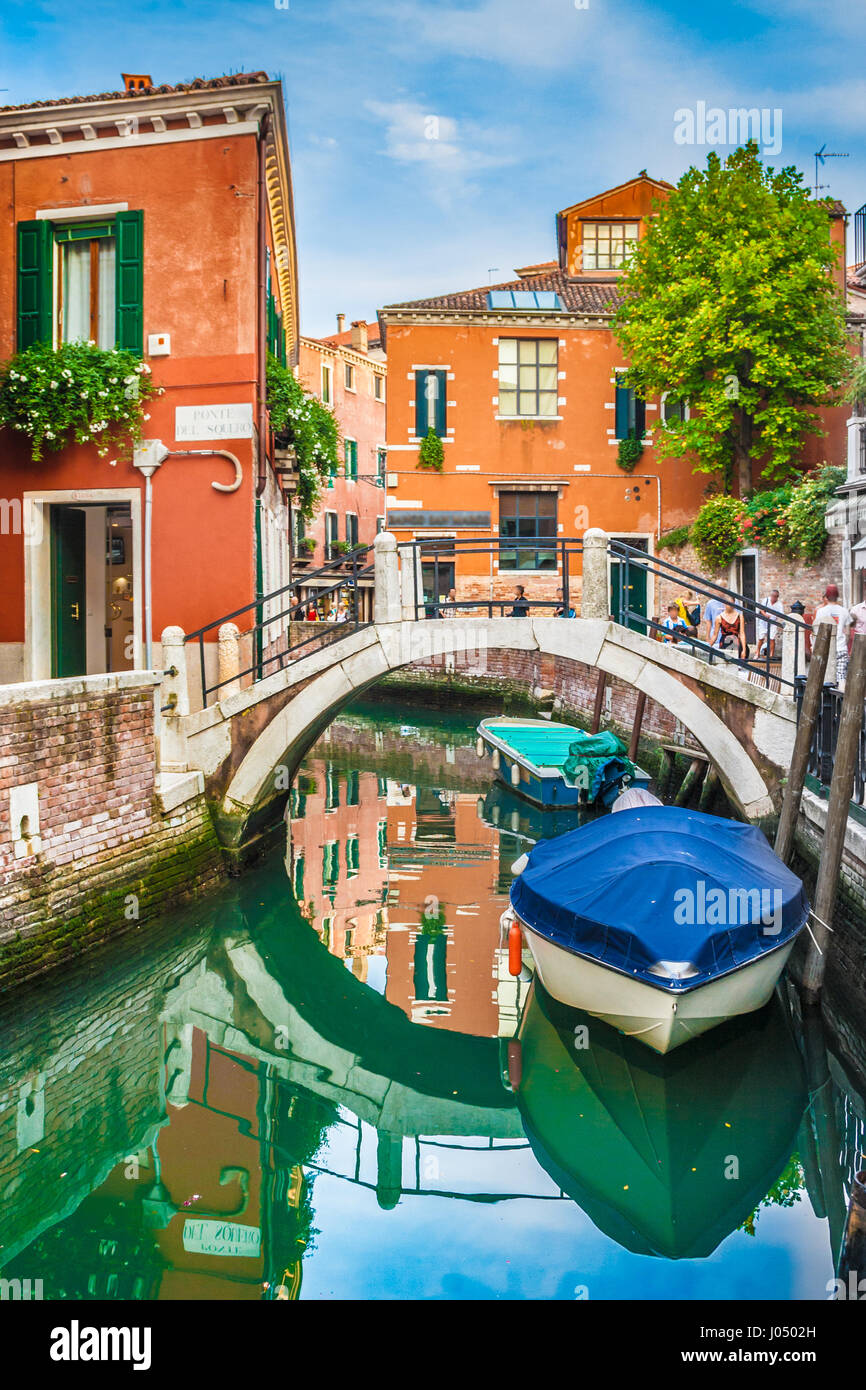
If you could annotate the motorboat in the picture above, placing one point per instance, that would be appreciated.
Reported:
(662, 921)
(557, 765)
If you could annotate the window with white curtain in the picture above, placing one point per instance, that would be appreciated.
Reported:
(87, 278)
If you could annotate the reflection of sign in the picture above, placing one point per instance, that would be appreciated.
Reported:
(193, 422)
(221, 1238)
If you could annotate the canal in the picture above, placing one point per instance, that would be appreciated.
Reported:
(307, 1086)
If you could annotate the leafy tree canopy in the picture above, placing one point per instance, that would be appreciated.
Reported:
(728, 301)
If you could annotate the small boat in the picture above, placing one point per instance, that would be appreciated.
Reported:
(503, 810)
(663, 922)
(556, 764)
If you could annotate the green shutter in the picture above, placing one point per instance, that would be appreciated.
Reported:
(639, 417)
(421, 425)
(129, 287)
(623, 402)
(35, 287)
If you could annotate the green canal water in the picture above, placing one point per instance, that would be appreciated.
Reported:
(308, 1086)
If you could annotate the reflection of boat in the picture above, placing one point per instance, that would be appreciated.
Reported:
(504, 810)
(662, 921)
(667, 1155)
(555, 764)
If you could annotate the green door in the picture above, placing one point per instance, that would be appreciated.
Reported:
(628, 589)
(69, 628)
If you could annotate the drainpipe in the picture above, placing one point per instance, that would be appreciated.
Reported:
(147, 458)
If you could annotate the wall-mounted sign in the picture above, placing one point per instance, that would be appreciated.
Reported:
(202, 422)
(221, 1238)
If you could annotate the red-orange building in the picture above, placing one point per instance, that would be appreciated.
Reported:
(520, 381)
(158, 219)
(347, 371)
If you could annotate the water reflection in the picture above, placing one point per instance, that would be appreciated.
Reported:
(301, 1088)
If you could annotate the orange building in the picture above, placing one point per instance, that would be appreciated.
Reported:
(158, 219)
(347, 372)
(520, 381)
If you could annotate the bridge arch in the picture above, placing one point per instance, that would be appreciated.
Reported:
(746, 731)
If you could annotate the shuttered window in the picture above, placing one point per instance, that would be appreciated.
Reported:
(630, 414)
(430, 387)
(351, 465)
(100, 290)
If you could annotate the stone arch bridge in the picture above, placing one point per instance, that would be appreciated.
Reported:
(249, 743)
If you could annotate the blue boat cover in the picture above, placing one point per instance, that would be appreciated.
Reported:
(660, 884)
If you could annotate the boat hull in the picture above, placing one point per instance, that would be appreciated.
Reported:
(657, 1017)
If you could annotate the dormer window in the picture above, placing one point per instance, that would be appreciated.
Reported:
(607, 244)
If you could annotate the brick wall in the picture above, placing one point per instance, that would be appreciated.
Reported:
(107, 858)
(794, 580)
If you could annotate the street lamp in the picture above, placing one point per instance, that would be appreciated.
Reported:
(147, 457)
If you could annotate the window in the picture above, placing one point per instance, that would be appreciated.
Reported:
(83, 281)
(353, 858)
(298, 878)
(523, 299)
(382, 843)
(630, 413)
(527, 517)
(353, 788)
(326, 384)
(332, 789)
(381, 466)
(430, 387)
(351, 459)
(674, 409)
(349, 376)
(352, 530)
(528, 376)
(332, 533)
(380, 525)
(330, 866)
(379, 387)
(607, 244)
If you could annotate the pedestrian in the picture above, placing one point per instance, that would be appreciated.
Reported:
(673, 627)
(521, 606)
(452, 603)
(858, 619)
(767, 630)
(689, 610)
(729, 632)
(562, 610)
(714, 607)
(831, 611)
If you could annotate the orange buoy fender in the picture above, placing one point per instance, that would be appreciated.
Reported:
(515, 1063)
(515, 949)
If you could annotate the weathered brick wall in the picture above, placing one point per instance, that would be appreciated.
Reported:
(793, 579)
(108, 859)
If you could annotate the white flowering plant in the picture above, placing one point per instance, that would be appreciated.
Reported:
(78, 392)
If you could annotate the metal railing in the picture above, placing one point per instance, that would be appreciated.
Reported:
(822, 753)
(442, 555)
(337, 583)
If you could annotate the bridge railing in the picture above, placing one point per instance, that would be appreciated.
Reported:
(822, 753)
(335, 586)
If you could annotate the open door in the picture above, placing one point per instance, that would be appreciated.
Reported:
(628, 586)
(68, 598)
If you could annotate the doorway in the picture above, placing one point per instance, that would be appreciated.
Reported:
(92, 589)
(628, 586)
(746, 583)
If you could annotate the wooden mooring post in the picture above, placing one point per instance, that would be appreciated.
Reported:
(599, 701)
(841, 788)
(803, 742)
(637, 725)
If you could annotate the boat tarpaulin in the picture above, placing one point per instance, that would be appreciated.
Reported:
(601, 760)
(671, 896)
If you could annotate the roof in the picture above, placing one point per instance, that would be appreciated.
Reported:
(642, 177)
(198, 84)
(576, 296)
(344, 339)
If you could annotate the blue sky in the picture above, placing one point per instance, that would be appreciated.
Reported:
(539, 103)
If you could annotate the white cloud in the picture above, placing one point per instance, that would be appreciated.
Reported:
(449, 151)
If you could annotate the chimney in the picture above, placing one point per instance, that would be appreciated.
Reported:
(359, 336)
(341, 323)
(136, 81)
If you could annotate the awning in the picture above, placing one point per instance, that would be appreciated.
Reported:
(859, 553)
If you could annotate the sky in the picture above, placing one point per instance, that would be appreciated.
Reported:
(433, 141)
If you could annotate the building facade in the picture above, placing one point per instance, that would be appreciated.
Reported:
(347, 372)
(157, 219)
(522, 383)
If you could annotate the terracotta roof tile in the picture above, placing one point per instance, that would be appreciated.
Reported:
(374, 335)
(577, 296)
(235, 79)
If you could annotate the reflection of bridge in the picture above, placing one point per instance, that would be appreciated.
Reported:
(249, 742)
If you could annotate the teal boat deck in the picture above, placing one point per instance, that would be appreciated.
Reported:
(543, 747)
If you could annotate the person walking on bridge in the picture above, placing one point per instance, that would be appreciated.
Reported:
(831, 611)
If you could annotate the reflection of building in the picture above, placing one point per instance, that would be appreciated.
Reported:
(337, 858)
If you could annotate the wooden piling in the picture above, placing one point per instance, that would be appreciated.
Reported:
(599, 701)
(695, 769)
(803, 742)
(709, 789)
(637, 726)
(841, 788)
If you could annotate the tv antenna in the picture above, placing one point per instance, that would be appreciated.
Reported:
(491, 271)
(822, 155)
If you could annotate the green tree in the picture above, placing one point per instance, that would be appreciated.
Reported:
(728, 301)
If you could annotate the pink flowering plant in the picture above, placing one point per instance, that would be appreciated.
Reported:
(78, 392)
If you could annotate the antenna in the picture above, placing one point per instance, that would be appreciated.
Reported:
(822, 155)
(491, 271)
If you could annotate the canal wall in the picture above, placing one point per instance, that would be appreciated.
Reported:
(93, 839)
